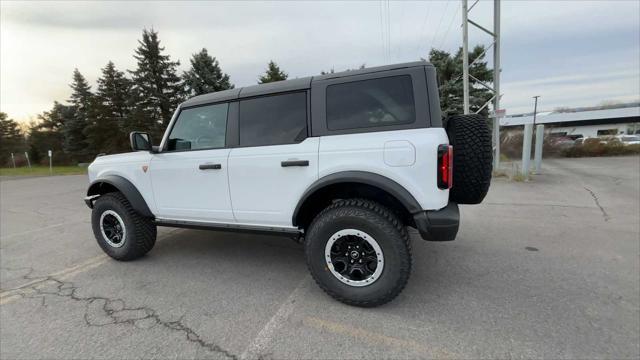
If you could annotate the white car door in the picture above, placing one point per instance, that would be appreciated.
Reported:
(275, 161)
(190, 175)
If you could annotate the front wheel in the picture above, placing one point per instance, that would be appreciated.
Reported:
(358, 252)
(120, 231)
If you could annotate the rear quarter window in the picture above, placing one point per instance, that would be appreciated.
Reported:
(371, 103)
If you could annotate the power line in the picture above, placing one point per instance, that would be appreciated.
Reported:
(444, 38)
(383, 42)
(385, 29)
(399, 46)
(424, 22)
(389, 30)
(439, 24)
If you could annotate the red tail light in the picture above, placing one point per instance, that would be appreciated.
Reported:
(445, 166)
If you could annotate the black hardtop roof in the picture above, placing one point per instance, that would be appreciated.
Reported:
(289, 85)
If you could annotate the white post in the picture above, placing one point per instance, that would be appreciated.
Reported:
(50, 163)
(13, 160)
(538, 148)
(465, 57)
(26, 154)
(526, 149)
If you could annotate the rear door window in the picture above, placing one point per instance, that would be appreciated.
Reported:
(371, 103)
(273, 120)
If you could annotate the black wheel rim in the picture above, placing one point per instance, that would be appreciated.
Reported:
(354, 257)
(112, 228)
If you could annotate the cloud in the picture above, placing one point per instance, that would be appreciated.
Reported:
(546, 46)
(572, 90)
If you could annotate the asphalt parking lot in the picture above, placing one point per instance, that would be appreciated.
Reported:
(548, 268)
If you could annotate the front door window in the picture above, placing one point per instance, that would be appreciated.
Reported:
(199, 128)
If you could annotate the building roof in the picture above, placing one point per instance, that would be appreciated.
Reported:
(627, 114)
(290, 85)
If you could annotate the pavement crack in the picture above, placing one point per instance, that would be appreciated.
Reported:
(597, 201)
(28, 275)
(102, 311)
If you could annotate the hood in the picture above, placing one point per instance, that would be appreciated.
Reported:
(135, 156)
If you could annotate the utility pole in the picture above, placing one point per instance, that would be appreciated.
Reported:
(465, 56)
(495, 99)
(535, 109)
(496, 83)
(537, 156)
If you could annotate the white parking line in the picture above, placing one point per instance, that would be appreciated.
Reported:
(264, 337)
(42, 228)
(30, 287)
(58, 273)
(11, 295)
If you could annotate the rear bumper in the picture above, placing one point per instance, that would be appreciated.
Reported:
(438, 225)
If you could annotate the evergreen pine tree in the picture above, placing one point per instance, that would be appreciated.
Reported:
(11, 139)
(47, 134)
(157, 87)
(449, 70)
(272, 74)
(205, 75)
(82, 101)
(9, 129)
(55, 119)
(108, 133)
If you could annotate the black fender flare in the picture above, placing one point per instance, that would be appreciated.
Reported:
(125, 187)
(363, 177)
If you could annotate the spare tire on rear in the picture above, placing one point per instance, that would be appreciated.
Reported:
(472, 158)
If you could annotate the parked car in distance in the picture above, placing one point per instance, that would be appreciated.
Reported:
(585, 140)
(562, 142)
(629, 139)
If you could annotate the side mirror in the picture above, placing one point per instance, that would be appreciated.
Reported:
(140, 141)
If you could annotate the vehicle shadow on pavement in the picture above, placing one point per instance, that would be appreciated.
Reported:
(218, 243)
(228, 254)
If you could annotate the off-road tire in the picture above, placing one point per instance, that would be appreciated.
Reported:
(140, 231)
(472, 158)
(381, 224)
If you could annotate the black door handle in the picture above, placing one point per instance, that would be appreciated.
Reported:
(294, 163)
(210, 166)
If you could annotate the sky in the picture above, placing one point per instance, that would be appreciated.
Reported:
(571, 53)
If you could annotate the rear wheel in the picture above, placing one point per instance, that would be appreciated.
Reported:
(121, 232)
(358, 252)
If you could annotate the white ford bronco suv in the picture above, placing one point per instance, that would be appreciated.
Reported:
(342, 162)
